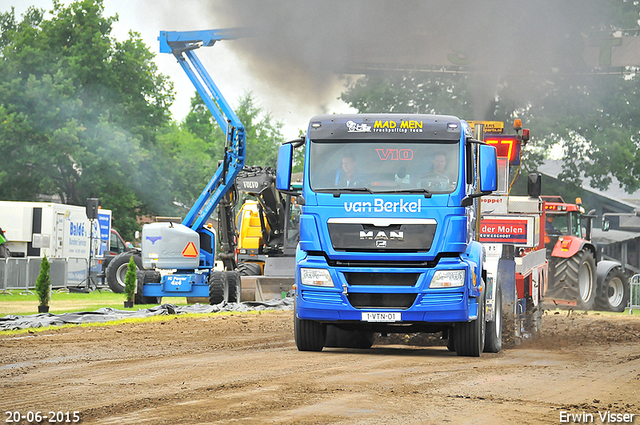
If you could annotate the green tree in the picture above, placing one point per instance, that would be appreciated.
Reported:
(43, 283)
(80, 112)
(130, 280)
(263, 135)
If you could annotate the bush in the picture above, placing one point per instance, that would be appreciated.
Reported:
(43, 283)
(130, 280)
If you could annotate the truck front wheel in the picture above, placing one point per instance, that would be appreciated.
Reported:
(117, 269)
(469, 336)
(308, 334)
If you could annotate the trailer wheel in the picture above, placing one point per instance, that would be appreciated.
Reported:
(233, 283)
(249, 269)
(469, 336)
(146, 276)
(218, 288)
(575, 277)
(493, 338)
(117, 269)
(341, 338)
(308, 334)
(613, 294)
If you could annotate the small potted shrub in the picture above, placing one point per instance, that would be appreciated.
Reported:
(43, 286)
(130, 282)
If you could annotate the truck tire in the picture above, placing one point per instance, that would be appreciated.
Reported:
(469, 337)
(233, 283)
(493, 337)
(146, 276)
(117, 269)
(613, 294)
(575, 278)
(218, 288)
(339, 338)
(249, 269)
(308, 334)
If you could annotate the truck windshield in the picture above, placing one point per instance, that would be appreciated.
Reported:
(384, 166)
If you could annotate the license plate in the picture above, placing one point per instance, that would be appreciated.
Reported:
(381, 317)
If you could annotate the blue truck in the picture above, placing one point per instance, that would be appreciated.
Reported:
(389, 229)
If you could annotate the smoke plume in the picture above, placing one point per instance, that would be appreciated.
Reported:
(300, 46)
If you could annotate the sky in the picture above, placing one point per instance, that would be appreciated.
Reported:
(229, 70)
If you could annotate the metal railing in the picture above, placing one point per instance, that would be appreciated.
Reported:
(634, 298)
(21, 273)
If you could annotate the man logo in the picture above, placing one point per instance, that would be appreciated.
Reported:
(381, 235)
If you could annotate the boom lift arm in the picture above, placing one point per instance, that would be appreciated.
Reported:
(186, 251)
(182, 44)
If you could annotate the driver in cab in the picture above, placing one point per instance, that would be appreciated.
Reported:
(437, 178)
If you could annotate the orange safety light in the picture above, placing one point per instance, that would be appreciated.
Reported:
(517, 124)
(579, 201)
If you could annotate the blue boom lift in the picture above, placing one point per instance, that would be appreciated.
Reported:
(187, 250)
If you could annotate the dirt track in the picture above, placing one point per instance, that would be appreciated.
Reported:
(244, 368)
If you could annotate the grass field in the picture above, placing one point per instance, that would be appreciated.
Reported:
(17, 304)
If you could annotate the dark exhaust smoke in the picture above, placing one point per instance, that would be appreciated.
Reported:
(299, 46)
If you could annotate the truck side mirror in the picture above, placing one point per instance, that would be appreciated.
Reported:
(534, 185)
(488, 169)
(283, 173)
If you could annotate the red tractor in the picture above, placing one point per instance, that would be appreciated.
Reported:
(574, 278)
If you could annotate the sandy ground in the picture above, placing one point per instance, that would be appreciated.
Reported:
(244, 368)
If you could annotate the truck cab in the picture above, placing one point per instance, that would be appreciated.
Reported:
(388, 228)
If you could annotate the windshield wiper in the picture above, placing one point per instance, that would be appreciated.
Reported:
(426, 193)
(336, 192)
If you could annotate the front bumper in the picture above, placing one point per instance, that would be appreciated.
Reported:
(418, 303)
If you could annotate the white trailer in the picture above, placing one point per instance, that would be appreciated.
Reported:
(59, 231)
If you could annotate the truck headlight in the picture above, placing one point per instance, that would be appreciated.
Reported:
(447, 279)
(316, 277)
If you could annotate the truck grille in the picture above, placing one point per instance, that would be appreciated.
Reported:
(403, 301)
(382, 279)
(367, 237)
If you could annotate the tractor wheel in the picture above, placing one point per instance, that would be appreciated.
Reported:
(249, 269)
(575, 277)
(468, 337)
(218, 288)
(613, 294)
(308, 334)
(233, 283)
(117, 269)
(493, 337)
(340, 338)
(146, 276)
